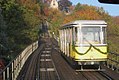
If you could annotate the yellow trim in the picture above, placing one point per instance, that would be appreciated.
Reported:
(92, 54)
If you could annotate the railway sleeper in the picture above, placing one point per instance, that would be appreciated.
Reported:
(46, 51)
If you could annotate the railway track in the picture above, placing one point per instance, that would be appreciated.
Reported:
(48, 64)
(30, 71)
(48, 70)
(94, 73)
(40, 65)
(89, 75)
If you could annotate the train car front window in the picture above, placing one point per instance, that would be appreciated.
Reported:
(91, 35)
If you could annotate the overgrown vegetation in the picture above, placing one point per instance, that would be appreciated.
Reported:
(19, 24)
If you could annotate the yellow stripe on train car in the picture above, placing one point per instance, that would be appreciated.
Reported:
(92, 54)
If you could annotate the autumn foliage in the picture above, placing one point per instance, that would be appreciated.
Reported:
(85, 13)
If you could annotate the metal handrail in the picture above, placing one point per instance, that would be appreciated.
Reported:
(11, 71)
(113, 61)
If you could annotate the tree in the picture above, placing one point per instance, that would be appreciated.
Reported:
(3, 37)
(22, 21)
(78, 7)
(55, 19)
(64, 4)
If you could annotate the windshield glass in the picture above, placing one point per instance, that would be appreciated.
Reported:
(93, 35)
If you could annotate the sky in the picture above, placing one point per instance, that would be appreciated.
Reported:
(112, 9)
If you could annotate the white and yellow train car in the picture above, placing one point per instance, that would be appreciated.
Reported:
(84, 41)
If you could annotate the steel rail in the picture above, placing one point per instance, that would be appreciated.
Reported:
(58, 77)
(37, 69)
(105, 75)
(46, 70)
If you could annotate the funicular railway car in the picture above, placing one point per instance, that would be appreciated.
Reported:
(83, 42)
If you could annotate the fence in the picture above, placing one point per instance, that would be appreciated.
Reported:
(113, 61)
(13, 68)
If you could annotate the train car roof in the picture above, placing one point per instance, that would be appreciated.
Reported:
(84, 22)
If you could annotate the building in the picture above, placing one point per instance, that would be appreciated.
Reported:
(54, 4)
